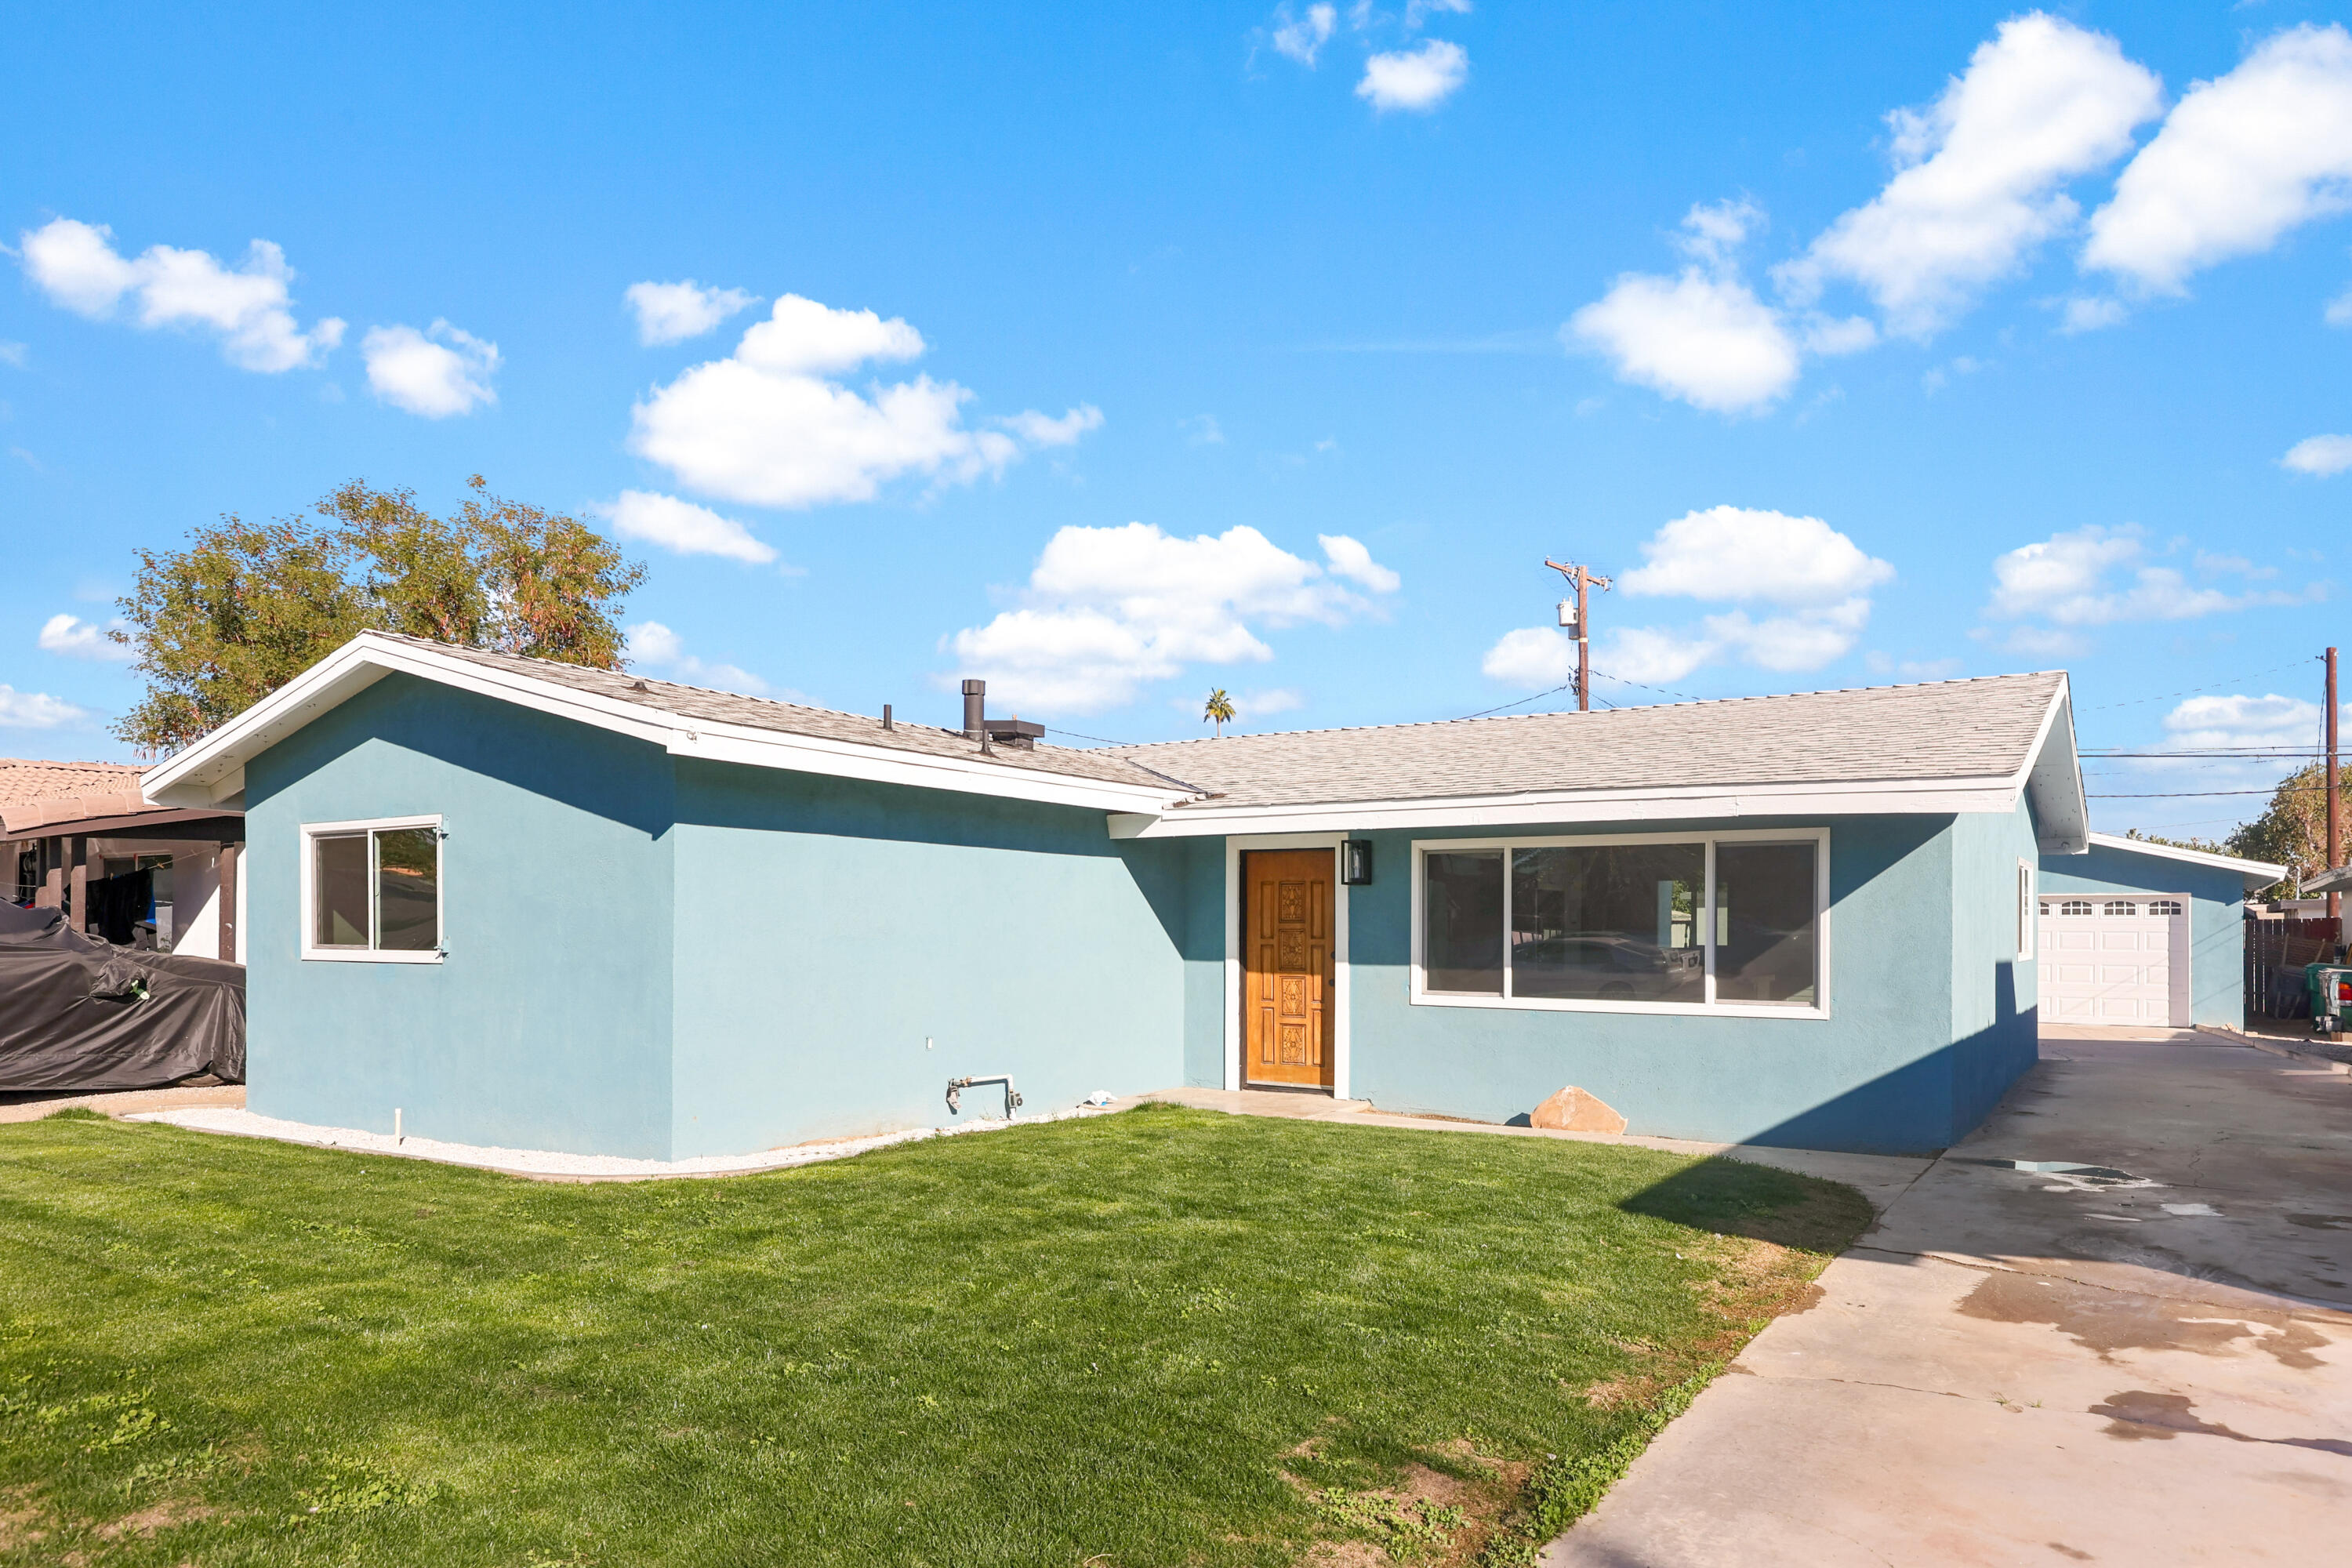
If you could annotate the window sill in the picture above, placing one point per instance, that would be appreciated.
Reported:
(1664, 1009)
(329, 955)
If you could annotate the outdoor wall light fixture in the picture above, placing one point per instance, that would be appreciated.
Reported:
(1354, 862)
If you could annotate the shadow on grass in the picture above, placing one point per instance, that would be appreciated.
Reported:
(1732, 1198)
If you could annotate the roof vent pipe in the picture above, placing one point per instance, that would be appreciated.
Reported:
(976, 710)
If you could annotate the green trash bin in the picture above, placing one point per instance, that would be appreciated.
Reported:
(2330, 985)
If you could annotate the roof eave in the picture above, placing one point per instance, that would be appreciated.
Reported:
(1992, 793)
(213, 769)
(2257, 874)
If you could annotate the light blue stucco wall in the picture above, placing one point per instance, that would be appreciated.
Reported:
(828, 928)
(1996, 1022)
(2217, 966)
(547, 1025)
(1890, 1069)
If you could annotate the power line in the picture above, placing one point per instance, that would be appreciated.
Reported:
(2235, 681)
(1104, 739)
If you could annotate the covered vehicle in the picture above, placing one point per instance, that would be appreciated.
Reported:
(78, 1013)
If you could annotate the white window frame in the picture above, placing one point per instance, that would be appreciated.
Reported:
(1709, 1008)
(314, 831)
(2029, 913)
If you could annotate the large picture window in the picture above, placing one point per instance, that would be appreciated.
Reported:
(372, 890)
(1638, 923)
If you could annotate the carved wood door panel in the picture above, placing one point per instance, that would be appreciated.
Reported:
(1286, 966)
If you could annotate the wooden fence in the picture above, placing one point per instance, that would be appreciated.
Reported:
(2276, 950)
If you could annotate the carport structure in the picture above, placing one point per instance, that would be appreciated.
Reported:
(62, 823)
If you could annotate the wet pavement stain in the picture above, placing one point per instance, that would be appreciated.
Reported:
(2137, 1415)
(2322, 1221)
(2107, 1321)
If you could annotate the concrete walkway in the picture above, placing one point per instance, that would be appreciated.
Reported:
(2148, 1360)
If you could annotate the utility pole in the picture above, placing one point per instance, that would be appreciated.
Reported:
(1582, 628)
(2334, 826)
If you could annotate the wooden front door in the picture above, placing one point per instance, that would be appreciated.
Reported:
(1286, 966)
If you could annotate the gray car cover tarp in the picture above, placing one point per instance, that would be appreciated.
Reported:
(77, 1012)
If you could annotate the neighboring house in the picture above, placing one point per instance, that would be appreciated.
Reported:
(535, 905)
(66, 829)
(2135, 933)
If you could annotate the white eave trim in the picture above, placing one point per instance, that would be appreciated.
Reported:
(1872, 798)
(2063, 815)
(214, 768)
(2257, 873)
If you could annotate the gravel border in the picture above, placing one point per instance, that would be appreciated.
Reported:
(547, 1164)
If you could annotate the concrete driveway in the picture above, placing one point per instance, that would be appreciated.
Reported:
(2147, 1361)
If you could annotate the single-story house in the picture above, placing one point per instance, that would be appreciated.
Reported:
(535, 905)
(2141, 933)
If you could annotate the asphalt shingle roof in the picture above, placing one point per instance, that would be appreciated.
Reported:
(1949, 730)
(795, 719)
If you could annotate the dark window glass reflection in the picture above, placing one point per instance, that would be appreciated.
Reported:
(1767, 936)
(408, 890)
(1609, 923)
(339, 891)
(1462, 906)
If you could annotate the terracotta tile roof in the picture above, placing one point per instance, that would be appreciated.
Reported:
(1947, 730)
(23, 780)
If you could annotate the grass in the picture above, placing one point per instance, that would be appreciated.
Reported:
(1160, 1337)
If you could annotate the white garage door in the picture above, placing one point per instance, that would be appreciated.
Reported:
(2114, 961)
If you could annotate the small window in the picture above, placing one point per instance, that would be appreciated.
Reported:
(2165, 907)
(2045, 908)
(374, 890)
(2075, 907)
(2120, 907)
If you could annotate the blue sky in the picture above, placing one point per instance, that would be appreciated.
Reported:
(1116, 353)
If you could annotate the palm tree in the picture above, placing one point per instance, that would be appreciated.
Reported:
(1219, 710)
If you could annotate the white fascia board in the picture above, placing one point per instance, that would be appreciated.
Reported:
(1884, 798)
(2257, 873)
(2052, 774)
(215, 766)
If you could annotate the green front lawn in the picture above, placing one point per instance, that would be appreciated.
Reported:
(1162, 1337)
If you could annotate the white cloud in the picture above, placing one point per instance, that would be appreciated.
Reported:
(1733, 554)
(1109, 609)
(1914, 668)
(1039, 430)
(1418, 78)
(15, 353)
(35, 711)
(1708, 340)
(1817, 579)
(766, 425)
(76, 638)
(1351, 559)
(1266, 703)
(652, 643)
(2240, 723)
(1416, 12)
(2090, 314)
(682, 526)
(1979, 172)
(2319, 454)
(673, 312)
(2239, 161)
(1302, 38)
(2096, 576)
(246, 306)
(433, 373)
(1202, 430)
(2338, 314)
